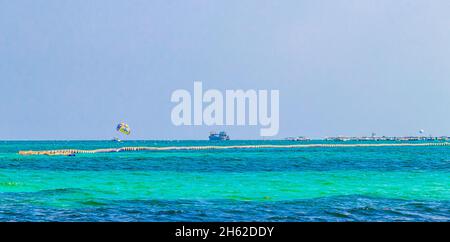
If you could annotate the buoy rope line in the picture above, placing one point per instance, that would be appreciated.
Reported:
(169, 148)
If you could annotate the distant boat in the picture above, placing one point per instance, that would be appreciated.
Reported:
(299, 138)
(115, 139)
(218, 136)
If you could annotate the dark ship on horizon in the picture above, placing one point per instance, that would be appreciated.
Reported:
(219, 136)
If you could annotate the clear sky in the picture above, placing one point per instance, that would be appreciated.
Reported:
(74, 69)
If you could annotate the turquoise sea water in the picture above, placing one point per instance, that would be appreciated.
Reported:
(301, 184)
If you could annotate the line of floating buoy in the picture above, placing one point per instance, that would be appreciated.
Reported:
(67, 152)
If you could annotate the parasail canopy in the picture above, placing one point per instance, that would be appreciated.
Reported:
(123, 128)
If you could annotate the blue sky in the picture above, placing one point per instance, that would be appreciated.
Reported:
(74, 69)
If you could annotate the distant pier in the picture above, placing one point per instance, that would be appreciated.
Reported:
(66, 152)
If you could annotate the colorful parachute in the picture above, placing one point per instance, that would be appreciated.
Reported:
(123, 128)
